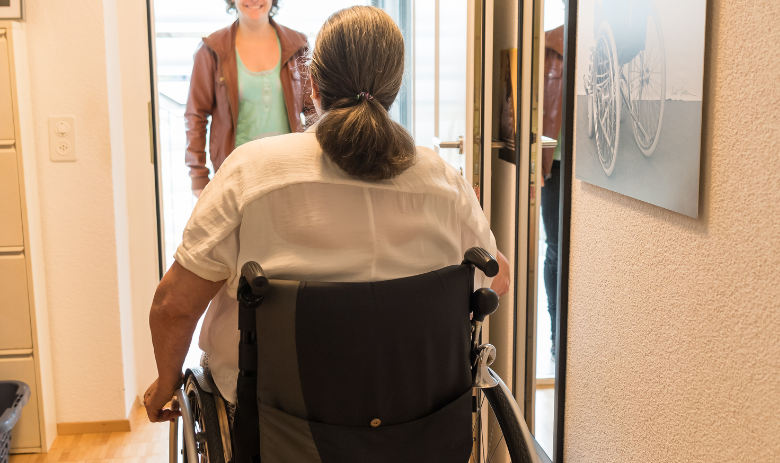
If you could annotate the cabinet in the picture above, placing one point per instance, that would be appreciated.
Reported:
(26, 433)
(6, 107)
(24, 349)
(10, 201)
(15, 331)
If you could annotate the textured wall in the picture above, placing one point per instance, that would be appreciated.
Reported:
(674, 323)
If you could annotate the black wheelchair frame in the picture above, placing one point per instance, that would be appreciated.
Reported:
(498, 429)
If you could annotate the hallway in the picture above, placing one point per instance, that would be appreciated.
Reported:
(146, 443)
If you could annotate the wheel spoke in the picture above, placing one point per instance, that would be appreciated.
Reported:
(479, 410)
(494, 448)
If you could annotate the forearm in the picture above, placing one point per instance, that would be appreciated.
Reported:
(195, 153)
(172, 330)
(179, 302)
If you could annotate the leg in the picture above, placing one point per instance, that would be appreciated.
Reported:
(550, 219)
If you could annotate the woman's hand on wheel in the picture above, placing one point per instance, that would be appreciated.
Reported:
(155, 399)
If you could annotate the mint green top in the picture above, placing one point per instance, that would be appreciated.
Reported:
(557, 152)
(262, 111)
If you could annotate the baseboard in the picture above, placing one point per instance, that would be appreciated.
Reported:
(95, 427)
(545, 383)
(25, 450)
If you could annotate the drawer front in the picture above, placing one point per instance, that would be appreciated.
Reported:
(6, 104)
(27, 432)
(15, 331)
(10, 201)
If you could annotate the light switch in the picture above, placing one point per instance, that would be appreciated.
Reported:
(62, 138)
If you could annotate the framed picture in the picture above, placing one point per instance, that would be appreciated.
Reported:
(640, 69)
(11, 9)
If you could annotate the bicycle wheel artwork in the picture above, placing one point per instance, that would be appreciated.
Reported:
(647, 85)
(607, 99)
(638, 109)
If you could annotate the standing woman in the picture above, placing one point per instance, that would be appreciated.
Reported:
(246, 78)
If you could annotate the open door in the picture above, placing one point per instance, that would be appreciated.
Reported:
(452, 74)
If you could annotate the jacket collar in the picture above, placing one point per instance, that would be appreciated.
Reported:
(223, 41)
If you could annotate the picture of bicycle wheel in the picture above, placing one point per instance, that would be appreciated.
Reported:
(639, 99)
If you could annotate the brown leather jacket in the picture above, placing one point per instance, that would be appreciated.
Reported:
(214, 92)
(553, 92)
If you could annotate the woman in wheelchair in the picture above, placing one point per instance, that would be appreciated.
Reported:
(350, 200)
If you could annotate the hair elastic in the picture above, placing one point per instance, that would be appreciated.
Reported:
(366, 95)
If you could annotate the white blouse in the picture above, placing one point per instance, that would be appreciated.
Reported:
(282, 203)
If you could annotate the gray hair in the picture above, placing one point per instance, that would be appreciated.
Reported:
(359, 51)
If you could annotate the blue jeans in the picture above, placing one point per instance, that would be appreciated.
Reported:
(551, 193)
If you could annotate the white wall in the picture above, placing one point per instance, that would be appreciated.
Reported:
(95, 228)
(674, 323)
(139, 171)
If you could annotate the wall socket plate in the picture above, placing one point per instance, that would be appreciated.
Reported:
(62, 138)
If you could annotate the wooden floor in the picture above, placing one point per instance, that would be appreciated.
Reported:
(146, 443)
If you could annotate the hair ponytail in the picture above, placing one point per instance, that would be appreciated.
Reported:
(358, 65)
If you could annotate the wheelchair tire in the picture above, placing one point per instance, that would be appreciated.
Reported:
(514, 444)
(207, 426)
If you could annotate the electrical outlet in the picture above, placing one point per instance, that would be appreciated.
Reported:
(62, 138)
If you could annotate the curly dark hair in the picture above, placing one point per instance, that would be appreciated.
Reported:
(231, 5)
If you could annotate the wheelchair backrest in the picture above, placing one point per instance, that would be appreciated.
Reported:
(374, 371)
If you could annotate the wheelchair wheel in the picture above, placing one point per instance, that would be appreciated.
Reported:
(647, 87)
(208, 432)
(499, 429)
(607, 98)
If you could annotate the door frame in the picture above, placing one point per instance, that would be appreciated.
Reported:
(525, 318)
(564, 236)
(154, 133)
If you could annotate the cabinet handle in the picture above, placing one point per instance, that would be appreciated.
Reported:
(11, 249)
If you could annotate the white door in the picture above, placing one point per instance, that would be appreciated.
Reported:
(452, 73)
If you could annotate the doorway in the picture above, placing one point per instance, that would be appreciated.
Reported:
(546, 288)
(433, 101)
(179, 26)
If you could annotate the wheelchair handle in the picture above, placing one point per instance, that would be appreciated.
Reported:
(255, 276)
(481, 259)
(484, 302)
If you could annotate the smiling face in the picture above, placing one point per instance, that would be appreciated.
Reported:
(254, 10)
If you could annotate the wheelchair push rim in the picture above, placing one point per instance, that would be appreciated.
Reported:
(606, 98)
(647, 87)
(499, 430)
(204, 434)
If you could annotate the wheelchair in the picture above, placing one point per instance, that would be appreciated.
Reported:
(627, 65)
(375, 372)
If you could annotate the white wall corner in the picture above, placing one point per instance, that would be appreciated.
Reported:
(47, 406)
(120, 185)
(140, 181)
